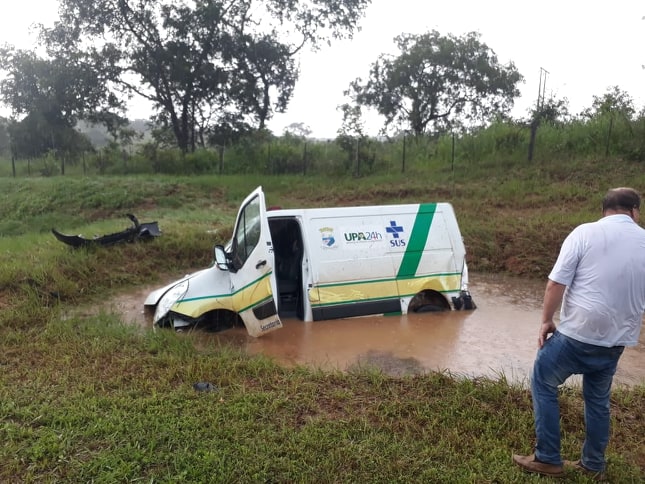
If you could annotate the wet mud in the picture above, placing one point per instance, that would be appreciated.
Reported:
(498, 339)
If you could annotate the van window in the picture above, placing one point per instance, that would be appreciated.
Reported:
(247, 233)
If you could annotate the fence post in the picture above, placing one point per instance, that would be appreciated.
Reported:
(452, 162)
(534, 128)
(611, 124)
(269, 166)
(358, 162)
(403, 157)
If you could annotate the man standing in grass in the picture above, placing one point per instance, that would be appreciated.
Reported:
(599, 277)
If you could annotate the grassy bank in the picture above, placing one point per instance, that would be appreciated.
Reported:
(91, 399)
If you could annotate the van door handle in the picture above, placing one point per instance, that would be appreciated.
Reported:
(262, 263)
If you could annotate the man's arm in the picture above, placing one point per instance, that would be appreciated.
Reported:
(552, 300)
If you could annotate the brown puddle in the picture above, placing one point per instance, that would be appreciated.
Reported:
(498, 338)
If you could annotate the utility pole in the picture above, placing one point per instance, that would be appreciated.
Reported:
(541, 88)
(535, 123)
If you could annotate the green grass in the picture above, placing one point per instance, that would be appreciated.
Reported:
(91, 399)
(94, 400)
(98, 401)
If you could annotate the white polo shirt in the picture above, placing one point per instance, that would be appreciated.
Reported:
(603, 266)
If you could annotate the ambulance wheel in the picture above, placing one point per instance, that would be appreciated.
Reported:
(428, 301)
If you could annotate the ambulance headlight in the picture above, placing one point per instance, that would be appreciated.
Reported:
(170, 298)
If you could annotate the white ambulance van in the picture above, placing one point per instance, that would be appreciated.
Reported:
(322, 263)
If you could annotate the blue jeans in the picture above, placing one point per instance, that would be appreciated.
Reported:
(557, 360)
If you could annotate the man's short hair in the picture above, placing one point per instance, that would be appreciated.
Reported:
(622, 198)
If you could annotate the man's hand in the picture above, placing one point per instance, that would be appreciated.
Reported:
(552, 299)
(546, 328)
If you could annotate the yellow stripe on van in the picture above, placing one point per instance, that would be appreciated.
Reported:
(195, 307)
(241, 300)
(358, 291)
(440, 283)
(333, 294)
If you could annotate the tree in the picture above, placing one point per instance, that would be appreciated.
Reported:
(615, 109)
(613, 102)
(353, 140)
(49, 96)
(298, 130)
(437, 82)
(202, 62)
(353, 125)
(553, 111)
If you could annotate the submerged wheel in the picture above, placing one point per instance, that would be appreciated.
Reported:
(218, 320)
(428, 301)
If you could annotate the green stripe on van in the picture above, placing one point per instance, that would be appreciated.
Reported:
(417, 241)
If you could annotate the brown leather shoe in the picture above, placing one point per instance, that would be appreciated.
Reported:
(577, 465)
(530, 464)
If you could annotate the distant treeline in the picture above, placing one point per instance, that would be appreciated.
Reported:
(508, 141)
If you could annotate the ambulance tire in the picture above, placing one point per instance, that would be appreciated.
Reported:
(428, 301)
(429, 308)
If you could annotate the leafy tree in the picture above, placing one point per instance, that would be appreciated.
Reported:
(613, 116)
(551, 110)
(437, 82)
(49, 96)
(614, 102)
(353, 141)
(298, 130)
(203, 62)
(353, 124)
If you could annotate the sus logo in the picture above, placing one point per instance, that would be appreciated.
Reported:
(396, 231)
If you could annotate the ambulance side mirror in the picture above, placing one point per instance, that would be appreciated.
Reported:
(220, 258)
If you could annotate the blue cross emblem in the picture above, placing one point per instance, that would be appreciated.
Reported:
(394, 229)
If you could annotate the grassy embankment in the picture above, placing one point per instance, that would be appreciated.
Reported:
(91, 399)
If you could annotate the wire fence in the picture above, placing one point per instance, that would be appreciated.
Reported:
(352, 156)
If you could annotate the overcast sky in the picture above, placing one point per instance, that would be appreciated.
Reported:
(586, 47)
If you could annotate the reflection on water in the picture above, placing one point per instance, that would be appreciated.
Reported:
(498, 338)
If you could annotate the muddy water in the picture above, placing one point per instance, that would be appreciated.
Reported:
(498, 338)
